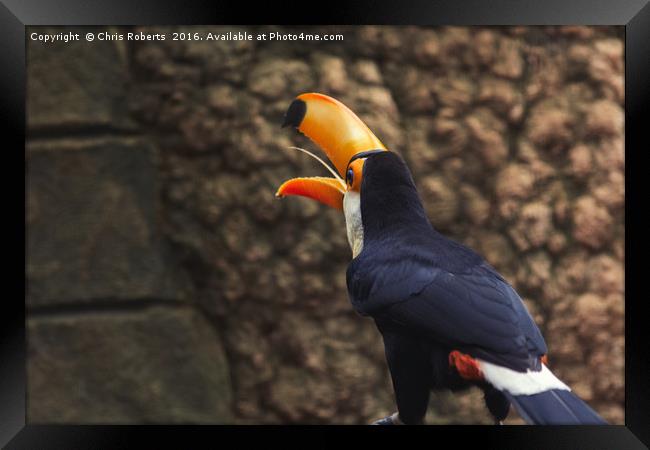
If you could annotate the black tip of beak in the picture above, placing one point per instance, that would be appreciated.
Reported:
(294, 115)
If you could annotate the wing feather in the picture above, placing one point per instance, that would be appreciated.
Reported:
(470, 307)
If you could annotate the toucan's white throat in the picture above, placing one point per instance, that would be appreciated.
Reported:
(353, 222)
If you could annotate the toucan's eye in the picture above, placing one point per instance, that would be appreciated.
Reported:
(349, 177)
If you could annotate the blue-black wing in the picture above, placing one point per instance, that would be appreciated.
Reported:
(467, 305)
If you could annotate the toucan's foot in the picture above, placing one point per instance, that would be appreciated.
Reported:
(498, 422)
(389, 420)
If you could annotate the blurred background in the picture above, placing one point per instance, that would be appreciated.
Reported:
(166, 284)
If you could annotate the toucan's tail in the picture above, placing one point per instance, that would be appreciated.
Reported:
(555, 407)
(540, 397)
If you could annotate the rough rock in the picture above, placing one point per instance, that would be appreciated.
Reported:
(604, 118)
(92, 224)
(90, 78)
(114, 367)
(593, 224)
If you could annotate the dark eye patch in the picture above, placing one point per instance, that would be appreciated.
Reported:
(349, 176)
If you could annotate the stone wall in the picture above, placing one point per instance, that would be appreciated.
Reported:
(167, 284)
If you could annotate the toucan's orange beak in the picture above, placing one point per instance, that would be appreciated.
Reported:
(339, 133)
(328, 191)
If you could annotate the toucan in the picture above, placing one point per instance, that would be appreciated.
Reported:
(448, 319)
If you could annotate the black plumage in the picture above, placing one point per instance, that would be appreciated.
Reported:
(430, 295)
(411, 275)
(448, 319)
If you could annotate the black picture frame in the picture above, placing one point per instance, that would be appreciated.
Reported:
(15, 15)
